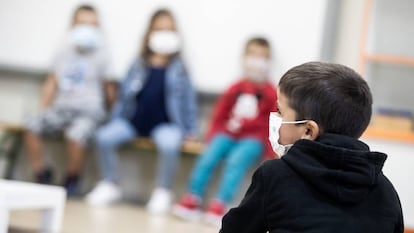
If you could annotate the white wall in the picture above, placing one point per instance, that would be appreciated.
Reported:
(349, 33)
(399, 170)
(214, 32)
(399, 165)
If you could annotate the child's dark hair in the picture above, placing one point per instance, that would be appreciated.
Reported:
(259, 41)
(333, 95)
(83, 7)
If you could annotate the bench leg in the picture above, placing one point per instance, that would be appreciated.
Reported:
(14, 152)
(10, 144)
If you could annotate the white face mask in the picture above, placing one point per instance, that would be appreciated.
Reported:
(256, 68)
(86, 37)
(275, 122)
(164, 42)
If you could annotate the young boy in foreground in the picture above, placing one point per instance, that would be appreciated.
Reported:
(328, 181)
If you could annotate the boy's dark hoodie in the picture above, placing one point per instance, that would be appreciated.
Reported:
(333, 184)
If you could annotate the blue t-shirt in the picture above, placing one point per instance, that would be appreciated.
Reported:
(151, 109)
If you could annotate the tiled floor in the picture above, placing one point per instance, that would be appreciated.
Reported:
(121, 218)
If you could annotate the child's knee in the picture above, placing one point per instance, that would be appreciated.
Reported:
(34, 125)
(102, 137)
(169, 148)
(81, 131)
(242, 162)
(105, 137)
(168, 140)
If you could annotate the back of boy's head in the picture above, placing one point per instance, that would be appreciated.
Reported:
(332, 95)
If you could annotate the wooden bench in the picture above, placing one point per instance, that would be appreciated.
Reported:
(188, 146)
(194, 147)
(11, 140)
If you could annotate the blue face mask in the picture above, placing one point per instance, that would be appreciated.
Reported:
(275, 122)
(86, 37)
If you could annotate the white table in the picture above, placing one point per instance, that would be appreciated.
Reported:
(16, 195)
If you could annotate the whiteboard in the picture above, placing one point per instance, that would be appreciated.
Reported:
(214, 33)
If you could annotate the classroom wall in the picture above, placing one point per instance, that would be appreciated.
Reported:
(398, 169)
(214, 32)
(349, 31)
(391, 32)
(399, 165)
(19, 95)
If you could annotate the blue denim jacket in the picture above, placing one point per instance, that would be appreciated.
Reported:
(179, 93)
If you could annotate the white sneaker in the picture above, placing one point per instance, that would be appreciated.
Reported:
(160, 202)
(212, 219)
(104, 193)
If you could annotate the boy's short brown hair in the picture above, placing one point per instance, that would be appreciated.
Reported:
(333, 95)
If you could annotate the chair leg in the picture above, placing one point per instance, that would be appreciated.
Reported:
(4, 216)
(52, 218)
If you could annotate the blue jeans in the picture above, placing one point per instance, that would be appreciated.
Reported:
(167, 138)
(239, 156)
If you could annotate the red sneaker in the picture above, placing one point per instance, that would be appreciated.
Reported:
(188, 208)
(215, 212)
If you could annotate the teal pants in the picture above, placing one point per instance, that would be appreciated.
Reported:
(238, 155)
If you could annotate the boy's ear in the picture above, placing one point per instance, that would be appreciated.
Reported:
(312, 130)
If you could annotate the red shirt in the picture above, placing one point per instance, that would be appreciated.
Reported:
(243, 111)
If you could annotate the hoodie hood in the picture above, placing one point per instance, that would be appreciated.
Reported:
(341, 167)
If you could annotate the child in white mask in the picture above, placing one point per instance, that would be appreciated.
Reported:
(157, 100)
(238, 135)
(329, 180)
(256, 66)
(275, 122)
(73, 98)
